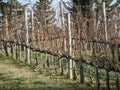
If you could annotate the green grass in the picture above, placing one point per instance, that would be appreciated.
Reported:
(3, 57)
(16, 75)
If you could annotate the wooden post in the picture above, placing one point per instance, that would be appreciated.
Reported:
(116, 54)
(6, 31)
(27, 39)
(32, 43)
(6, 27)
(63, 26)
(32, 21)
(33, 36)
(105, 21)
(105, 29)
(106, 46)
(70, 68)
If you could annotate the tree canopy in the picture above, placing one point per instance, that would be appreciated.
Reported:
(44, 12)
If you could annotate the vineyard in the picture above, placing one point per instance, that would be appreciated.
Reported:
(84, 47)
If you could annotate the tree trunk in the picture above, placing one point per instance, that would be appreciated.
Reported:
(107, 80)
(48, 62)
(89, 74)
(97, 78)
(11, 50)
(117, 82)
(26, 53)
(61, 67)
(16, 54)
(45, 60)
(54, 59)
(5, 48)
(74, 73)
(81, 72)
(41, 56)
(30, 56)
(19, 49)
(36, 59)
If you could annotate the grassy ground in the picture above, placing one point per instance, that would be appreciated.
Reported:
(15, 75)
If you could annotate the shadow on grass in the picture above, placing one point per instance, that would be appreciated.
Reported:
(9, 83)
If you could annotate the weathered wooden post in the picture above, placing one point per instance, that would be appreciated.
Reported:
(33, 32)
(74, 63)
(27, 39)
(63, 26)
(105, 20)
(105, 29)
(6, 29)
(32, 22)
(70, 68)
(60, 43)
(6, 26)
(116, 54)
(106, 46)
(37, 43)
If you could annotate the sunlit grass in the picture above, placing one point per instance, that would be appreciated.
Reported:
(16, 75)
